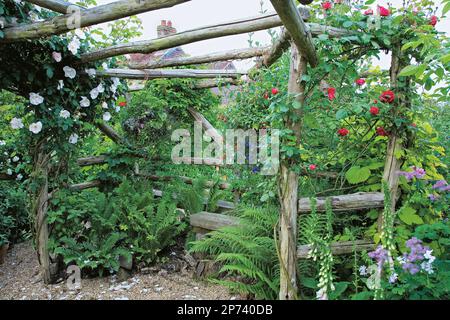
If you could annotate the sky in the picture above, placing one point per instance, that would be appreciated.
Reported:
(198, 13)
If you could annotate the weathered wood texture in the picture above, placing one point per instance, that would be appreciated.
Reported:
(204, 222)
(339, 248)
(212, 221)
(156, 74)
(206, 125)
(55, 5)
(187, 180)
(237, 54)
(4, 176)
(300, 34)
(110, 133)
(84, 18)
(85, 185)
(261, 22)
(93, 160)
(348, 202)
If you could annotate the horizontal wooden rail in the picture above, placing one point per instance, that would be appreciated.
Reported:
(261, 22)
(59, 6)
(83, 18)
(204, 222)
(156, 74)
(198, 85)
(187, 180)
(237, 54)
(348, 202)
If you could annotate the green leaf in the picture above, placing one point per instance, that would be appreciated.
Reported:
(408, 215)
(357, 175)
(446, 58)
(408, 71)
(341, 114)
(347, 24)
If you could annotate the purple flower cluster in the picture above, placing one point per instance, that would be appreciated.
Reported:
(419, 173)
(419, 257)
(380, 255)
(439, 186)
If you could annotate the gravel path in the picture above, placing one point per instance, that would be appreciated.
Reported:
(20, 280)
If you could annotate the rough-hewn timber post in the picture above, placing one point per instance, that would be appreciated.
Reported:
(288, 190)
(39, 210)
(392, 164)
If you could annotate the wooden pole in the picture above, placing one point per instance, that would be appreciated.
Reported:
(210, 32)
(55, 5)
(288, 187)
(237, 54)
(156, 74)
(293, 22)
(83, 18)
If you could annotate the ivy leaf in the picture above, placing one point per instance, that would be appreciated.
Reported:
(357, 174)
(408, 215)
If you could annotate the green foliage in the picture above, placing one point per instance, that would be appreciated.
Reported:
(14, 220)
(246, 252)
(93, 229)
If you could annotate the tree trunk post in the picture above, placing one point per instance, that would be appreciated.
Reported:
(288, 189)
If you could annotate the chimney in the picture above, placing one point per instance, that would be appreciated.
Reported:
(165, 28)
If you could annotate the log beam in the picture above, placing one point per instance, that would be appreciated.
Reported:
(348, 202)
(156, 74)
(84, 18)
(293, 22)
(339, 248)
(59, 6)
(237, 54)
(252, 24)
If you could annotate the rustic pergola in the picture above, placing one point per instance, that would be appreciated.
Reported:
(297, 35)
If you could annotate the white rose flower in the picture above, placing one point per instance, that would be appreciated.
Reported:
(57, 56)
(60, 84)
(84, 102)
(113, 88)
(107, 116)
(69, 72)
(94, 93)
(74, 45)
(80, 34)
(104, 65)
(9, 172)
(117, 109)
(64, 114)
(116, 81)
(100, 88)
(2, 143)
(91, 72)
(35, 127)
(35, 98)
(15, 159)
(19, 177)
(104, 105)
(16, 123)
(73, 139)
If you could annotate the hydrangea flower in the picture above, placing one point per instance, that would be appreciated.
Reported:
(36, 99)
(35, 127)
(74, 45)
(73, 139)
(84, 102)
(69, 72)
(16, 123)
(64, 114)
(57, 56)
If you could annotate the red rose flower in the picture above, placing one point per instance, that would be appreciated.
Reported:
(331, 93)
(433, 20)
(266, 96)
(383, 11)
(327, 5)
(387, 96)
(381, 132)
(413, 125)
(122, 104)
(375, 101)
(374, 110)
(360, 81)
(274, 91)
(312, 167)
(368, 12)
(343, 132)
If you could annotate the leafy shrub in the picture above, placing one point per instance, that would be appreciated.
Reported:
(93, 229)
(14, 224)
